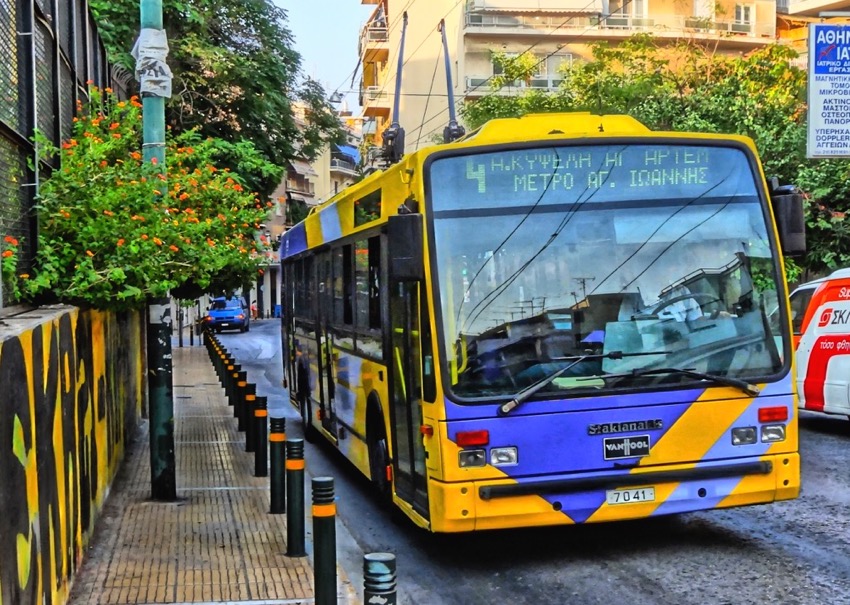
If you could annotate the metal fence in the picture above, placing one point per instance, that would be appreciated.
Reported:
(49, 50)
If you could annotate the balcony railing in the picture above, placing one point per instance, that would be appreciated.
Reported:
(343, 166)
(482, 84)
(594, 24)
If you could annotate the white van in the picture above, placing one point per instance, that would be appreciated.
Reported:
(820, 312)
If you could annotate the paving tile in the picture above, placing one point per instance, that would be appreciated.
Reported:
(217, 543)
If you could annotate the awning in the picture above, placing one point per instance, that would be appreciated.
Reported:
(350, 152)
(302, 168)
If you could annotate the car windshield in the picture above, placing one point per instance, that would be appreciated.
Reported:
(222, 304)
(660, 252)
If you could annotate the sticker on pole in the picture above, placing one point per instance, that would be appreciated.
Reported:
(829, 91)
(152, 71)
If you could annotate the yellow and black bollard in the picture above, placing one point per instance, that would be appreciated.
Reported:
(324, 541)
(379, 578)
(277, 445)
(261, 430)
(295, 537)
(246, 407)
(240, 381)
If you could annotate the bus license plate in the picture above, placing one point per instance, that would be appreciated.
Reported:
(630, 496)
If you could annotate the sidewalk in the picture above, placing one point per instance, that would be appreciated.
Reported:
(217, 543)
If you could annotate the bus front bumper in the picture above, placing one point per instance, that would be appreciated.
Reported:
(591, 497)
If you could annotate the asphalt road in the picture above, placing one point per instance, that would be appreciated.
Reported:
(795, 552)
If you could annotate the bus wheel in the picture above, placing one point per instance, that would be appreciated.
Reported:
(379, 461)
(310, 433)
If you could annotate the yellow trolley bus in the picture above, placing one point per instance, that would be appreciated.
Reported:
(560, 318)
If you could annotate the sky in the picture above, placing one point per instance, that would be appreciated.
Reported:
(326, 34)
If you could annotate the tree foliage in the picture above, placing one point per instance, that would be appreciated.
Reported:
(115, 231)
(687, 87)
(236, 76)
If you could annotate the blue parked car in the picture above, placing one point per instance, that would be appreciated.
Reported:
(228, 314)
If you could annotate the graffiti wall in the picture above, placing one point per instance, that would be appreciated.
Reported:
(71, 391)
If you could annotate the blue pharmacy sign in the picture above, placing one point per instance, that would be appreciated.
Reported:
(829, 91)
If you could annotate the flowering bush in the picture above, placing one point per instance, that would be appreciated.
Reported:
(9, 267)
(116, 231)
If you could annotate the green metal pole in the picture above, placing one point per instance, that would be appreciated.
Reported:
(160, 388)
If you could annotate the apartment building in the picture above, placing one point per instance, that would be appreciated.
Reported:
(557, 32)
(794, 17)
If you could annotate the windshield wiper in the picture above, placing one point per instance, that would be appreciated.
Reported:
(748, 388)
(527, 392)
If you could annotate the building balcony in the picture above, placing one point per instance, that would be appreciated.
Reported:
(557, 6)
(594, 26)
(343, 168)
(374, 44)
(809, 8)
(482, 85)
(375, 101)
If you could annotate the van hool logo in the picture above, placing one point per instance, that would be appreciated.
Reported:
(625, 447)
(611, 428)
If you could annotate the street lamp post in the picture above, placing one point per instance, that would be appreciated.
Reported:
(155, 86)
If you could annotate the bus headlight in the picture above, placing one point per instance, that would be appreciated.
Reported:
(743, 435)
(771, 433)
(468, 458)
(504, 456)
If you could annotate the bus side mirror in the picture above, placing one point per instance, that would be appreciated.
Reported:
(405, 247)
(790, 216)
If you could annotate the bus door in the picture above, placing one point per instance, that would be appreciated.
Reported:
(326, 346)
(404, 361)
(288, 328)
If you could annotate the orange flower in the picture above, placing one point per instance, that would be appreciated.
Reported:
(104, 163)
(66, 214)
(157, 191)
(114, 125)
(154, 161)
(89, 252)
(157, 241)
(121, 242)
(116, 135)
(173, 248)
(7, 253)
(24, 276)
(136, 155)
(144, 236)
(11, 240)
(108, 213)
(184, 196)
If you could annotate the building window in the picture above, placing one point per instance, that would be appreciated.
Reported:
(743, 14)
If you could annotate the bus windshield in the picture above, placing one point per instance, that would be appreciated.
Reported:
(657, 251)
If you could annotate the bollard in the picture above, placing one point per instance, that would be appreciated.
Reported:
(261, 430)
(240, 381)
(278, 447)
(379, 578)
(324, 541)
(295, 538)
(246, 411)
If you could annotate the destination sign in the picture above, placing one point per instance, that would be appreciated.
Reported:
(598, 173)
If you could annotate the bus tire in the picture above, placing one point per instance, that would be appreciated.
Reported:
(379, 457)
